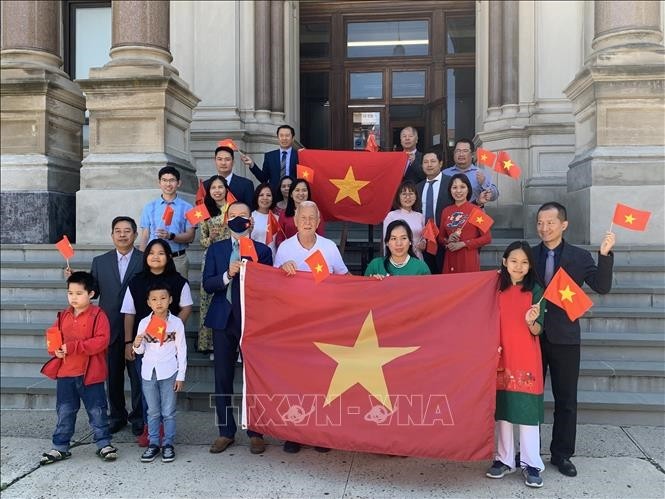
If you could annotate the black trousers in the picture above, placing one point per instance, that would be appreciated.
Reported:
(115, 386)
(225, 345)
(563, 362)
(434, 262)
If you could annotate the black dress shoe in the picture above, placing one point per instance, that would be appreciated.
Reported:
(291, 447)
(565, 466)
(116, 426)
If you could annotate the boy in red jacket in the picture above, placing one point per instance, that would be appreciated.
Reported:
(82, 370)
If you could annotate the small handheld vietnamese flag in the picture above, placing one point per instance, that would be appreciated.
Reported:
(247, 249)
(485, 157)
(371, 144)
(506, 166)
(157, 328)
(566, 294)
(429, 233)
(318, 266)
(53, 339)
(272, 227)
(230, 198)
(65, 248)
(197, 214)
(478, 218)
(305, 172)
(228, 143)
(630, 218)
(200, 193)
(167, 216)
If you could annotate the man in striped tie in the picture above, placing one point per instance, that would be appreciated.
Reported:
(277, 163)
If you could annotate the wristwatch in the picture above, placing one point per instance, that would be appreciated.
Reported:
(171, 236)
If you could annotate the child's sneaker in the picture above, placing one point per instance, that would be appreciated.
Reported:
(108, 453)
(532, 477)
(168, 454)
(499, 470)
(150, 454)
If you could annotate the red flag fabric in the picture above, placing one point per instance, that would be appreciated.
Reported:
(506, 166)
(371, 144)
(167, 216)
(318, 265)
(429, 233)
(355, 186)
(197, 214)
(630, 218)
(227, 143)
(273, 227)
(230, 198)
(305, 172)
(247, 249)
(563, 292)
(485, 157)
(200, 193)
(65, 248)
(156, 328)
(480, 219)
(398, 366)
(53, 339)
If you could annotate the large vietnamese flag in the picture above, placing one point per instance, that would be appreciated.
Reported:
(356, 186)
(405, 365)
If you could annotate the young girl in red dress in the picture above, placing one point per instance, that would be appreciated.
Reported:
(519, 383)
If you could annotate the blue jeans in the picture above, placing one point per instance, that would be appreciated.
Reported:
(69, 393)
(161, 399)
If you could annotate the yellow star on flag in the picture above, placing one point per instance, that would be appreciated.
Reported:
(480, 220)
(348, 186)
(507, 164)
(306, 175)
(484, 157)
(198, 214)
(362, 364)
(319, 268)
(629, 218)
(567, 294)
(160, 329)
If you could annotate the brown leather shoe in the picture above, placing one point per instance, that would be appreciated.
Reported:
(257, 445)
(220, 444)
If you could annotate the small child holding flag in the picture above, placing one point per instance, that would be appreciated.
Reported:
(161, 339)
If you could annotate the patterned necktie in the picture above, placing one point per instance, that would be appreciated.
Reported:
(282, 165)
(429, 200)
(549, 267)
(235, 256)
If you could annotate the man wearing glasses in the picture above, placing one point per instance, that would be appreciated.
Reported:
(484, 190)
(173, 228)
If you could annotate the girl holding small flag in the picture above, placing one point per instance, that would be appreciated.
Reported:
(519, 384)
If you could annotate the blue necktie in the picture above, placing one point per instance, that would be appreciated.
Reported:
(429, 200)
(235, 256)
(282, 165)
(549, 267)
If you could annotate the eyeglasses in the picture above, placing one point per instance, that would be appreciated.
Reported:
(169, 180)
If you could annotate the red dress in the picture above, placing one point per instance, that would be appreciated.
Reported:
(519, 377)
(454, 218)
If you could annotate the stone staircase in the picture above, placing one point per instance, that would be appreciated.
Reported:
(622, 379)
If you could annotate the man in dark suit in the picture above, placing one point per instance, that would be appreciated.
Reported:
(435, 196)
(560, 341)
(276, 163)
(112, 272)
(408, 138)
(242, 188)
(221, 280)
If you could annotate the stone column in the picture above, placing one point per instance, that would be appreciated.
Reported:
(495, 52)
(510, 54)
(42, 114)
(140, 116)
(262, 64)
(619, 108)
(277, 55)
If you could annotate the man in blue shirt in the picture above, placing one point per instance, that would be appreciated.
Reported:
(277, 163)
(178, 232)
(483, 189)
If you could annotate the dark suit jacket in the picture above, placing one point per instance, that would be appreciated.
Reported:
(111, 291)
(216, 264)
(242, 188)
(579, 265)
(414, 171)
(271, 171)
(442, 201)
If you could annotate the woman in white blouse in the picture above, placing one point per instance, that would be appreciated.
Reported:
(407, 207)
(265, 203)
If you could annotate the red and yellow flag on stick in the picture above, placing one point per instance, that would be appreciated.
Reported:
(506, 166)
(200, 193)
(563, 292)
(630, 218)
(272, 227)
(228, 143)
(65, 248)
(485, 157)
(305, 172)
(478, 218)
(167, 216)
(317, 263)
(53, 339)
(371, 144)
(430, 232)
(197, 214)
(156, 328)
(247, 249)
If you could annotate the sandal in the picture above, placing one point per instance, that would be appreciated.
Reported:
(53, 456)
(108, 453)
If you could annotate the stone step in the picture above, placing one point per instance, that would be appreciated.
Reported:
(614, 319)
(608, 346)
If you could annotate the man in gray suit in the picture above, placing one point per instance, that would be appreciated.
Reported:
(112, 272)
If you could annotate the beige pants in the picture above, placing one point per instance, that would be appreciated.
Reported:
(182, 265)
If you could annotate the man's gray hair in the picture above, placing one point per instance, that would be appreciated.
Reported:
(308, 204)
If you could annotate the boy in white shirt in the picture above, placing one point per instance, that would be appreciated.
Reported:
(162, 371)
